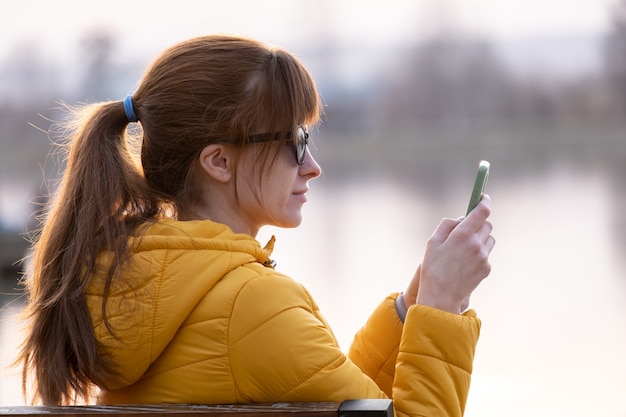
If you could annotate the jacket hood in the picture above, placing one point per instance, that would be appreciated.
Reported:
(173, 265)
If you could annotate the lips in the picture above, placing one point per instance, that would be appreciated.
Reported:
(300, 195)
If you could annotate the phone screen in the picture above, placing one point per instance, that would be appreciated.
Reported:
(479, 185)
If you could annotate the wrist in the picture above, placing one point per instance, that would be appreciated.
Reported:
(438, 303)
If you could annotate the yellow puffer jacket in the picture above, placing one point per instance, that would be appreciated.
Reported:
(198, 318)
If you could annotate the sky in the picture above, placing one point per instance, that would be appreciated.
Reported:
(149, 26)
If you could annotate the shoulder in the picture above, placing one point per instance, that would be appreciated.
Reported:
(267, 289)
(263, 295)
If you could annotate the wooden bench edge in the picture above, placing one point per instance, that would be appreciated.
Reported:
(349, 408)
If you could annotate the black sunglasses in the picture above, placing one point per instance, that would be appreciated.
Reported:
(302, 141)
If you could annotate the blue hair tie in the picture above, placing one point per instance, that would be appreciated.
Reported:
(128, 109)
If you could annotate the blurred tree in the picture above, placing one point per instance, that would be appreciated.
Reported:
(451, 82)
(615, 58)
(26, 79)
(28, 87)
(97, 55)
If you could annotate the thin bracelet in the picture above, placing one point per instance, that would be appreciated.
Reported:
(401, 307)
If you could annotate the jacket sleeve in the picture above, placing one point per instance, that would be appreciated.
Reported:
(434, 362)
(281, 348)
(425, 364)
(375, 346)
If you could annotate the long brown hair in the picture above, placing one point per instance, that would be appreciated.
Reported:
(201, 91)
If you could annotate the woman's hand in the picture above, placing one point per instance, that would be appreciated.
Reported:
(455, 262)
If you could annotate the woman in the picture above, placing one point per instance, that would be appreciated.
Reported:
(148, 285)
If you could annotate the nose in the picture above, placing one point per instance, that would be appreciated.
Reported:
(310, 168)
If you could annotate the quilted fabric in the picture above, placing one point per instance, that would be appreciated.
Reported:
(198, 318)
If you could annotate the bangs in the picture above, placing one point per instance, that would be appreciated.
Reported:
(285, 96)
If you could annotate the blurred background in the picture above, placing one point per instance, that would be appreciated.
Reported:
(416, 93)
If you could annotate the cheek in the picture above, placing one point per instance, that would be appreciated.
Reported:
(275, 193)
(270, 182)
(267, 194)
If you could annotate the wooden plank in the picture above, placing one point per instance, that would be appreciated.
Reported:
(353, 408)
(187, 410)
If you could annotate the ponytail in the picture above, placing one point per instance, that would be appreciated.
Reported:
(101, 199)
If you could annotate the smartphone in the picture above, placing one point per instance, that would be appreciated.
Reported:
(479, 185)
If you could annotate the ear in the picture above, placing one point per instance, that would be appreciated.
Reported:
(217, 160)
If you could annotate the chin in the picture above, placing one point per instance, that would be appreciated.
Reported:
(291, 225)
(289, 222)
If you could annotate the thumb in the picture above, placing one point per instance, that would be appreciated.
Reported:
(446, 226)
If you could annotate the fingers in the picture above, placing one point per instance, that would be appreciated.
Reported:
(457, 260)
(446, 226)
(484, 233)
(475, 223)
(490, 243)
(479, 215)
(485, 230)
